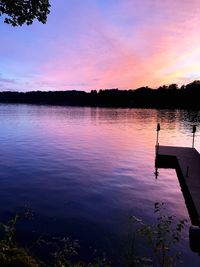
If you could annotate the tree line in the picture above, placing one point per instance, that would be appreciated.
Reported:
(187, 96)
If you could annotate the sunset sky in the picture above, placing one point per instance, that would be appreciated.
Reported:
(94, 44)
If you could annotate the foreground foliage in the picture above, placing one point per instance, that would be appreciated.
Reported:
(63, 255)
(161, 238)
(10, 253)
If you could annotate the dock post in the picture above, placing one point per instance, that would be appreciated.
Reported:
(157, 148)
(194, 236)
(157, 144)
(158, 129)
(193, 131)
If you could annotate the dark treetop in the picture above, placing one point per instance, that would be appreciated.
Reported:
(188, 96)
(19, 12)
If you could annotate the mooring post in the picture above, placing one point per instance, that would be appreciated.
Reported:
(193, 131)
(158, 129)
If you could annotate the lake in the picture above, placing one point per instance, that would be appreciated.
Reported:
(84, 171)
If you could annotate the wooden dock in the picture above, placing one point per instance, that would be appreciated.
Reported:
(186, 161)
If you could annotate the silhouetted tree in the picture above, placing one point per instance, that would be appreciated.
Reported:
(173, 86)
(193, 85)
(163, 87)
(94, 92)
(19, 12)
(144, 97)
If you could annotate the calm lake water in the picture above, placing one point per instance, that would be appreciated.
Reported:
(84, 171)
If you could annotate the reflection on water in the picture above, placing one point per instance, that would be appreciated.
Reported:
(84, 171)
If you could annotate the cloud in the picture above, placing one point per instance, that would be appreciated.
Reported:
(6, 80)
(105, 44)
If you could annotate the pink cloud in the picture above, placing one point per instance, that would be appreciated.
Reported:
(133, 43)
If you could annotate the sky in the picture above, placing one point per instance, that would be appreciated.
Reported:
(99, 44)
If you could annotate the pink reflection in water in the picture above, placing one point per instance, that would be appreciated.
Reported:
(91, 165)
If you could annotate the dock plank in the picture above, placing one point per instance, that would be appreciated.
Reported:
(186, 161)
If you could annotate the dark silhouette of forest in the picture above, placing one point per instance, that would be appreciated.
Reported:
(185, 97)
